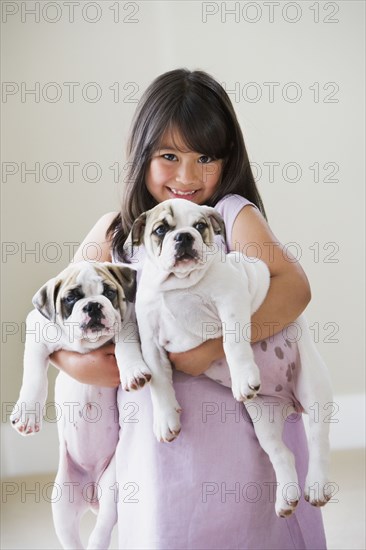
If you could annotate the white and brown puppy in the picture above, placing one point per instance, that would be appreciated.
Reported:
(84, 307)
(188, 285)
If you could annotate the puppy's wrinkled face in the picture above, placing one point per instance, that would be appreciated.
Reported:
(179, 235)
(89, 300)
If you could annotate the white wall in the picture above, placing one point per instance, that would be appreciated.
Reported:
(317, 138)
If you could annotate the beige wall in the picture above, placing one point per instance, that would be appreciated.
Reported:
(321, 63)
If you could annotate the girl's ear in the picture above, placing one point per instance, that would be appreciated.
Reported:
(135, 237)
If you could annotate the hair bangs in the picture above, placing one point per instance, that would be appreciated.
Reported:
(200, 129)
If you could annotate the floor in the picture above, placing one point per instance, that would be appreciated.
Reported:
(26, 521)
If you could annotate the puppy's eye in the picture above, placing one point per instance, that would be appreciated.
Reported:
(200, 226)
(161, 230)
(72, 297)
(110, 293)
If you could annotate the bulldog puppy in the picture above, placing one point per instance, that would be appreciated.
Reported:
(189, 285)
(84, 307)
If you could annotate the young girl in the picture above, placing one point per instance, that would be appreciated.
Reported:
(213, 487)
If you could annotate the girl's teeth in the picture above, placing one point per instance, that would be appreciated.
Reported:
(176, 192)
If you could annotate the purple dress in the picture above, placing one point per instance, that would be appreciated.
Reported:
(214, 486)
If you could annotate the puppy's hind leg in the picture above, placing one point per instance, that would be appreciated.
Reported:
(68, 503)
(100, 537)
(315, 395)
(268, 422)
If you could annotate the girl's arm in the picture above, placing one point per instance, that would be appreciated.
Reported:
(98, 367)
(289, 291)
(86, 368)
(287, 297)
(101, 252)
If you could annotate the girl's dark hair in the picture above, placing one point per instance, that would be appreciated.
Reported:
(195, 105)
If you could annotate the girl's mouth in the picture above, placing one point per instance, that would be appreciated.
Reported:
(177, 193)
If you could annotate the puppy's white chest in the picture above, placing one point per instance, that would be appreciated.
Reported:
(169, 326)
(180, 318)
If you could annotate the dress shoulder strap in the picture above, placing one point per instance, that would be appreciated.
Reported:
(229, 207)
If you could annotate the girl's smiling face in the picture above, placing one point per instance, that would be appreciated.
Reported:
(175, 172)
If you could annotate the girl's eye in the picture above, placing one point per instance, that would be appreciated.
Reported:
(200, 226)
(160, 230)
(169, 156)
(205, 159)
(110, 293)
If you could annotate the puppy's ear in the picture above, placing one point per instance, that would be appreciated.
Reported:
(218, 224)
(45, 299)
(125, 278)
(135, 236)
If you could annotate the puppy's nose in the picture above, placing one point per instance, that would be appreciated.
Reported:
(184, 239)
(93, 309)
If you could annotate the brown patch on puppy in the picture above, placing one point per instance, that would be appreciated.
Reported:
(289, 373)
(279, 352)
(124, 277)
(45, 299)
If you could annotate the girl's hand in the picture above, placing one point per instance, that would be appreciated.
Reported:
(98, 367)
(197, 360)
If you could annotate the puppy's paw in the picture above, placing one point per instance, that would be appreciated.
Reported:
(287, 498)
(167, 424)
(318, 491)
(135, 377)
(26, 418)
(285, 508)
(245, 382)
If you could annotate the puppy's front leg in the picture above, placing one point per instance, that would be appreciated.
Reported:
(26, 417)
(235, 319)
(166, 408)
(134, 373)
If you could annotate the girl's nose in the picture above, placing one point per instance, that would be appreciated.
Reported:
(187, 173)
